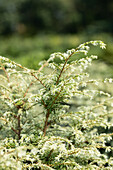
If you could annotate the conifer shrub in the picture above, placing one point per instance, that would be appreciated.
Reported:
(38, 127)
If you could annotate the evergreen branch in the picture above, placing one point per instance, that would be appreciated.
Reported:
(48, 112)
(56, 97)
(45, 64)
(28, 89)
(44, 103)
(46, 122)
(47, 158)
(38, 79)
(14, 130)
(64, 67)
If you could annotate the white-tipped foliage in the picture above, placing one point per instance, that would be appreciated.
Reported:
(39, 127)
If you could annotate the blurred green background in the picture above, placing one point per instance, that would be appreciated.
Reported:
(30, 30)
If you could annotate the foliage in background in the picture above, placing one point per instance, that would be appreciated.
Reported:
(38, 128)
(30, 17)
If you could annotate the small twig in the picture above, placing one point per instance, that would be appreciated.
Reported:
(56, 97)
(46, 122)
(49, 155)
(19, 65)
(18, 131)
(48, 112)
(28, 89)
(43, 66)
(47, 117)
(14, 130)
(64, 67)
(38, 79)
(44, 103)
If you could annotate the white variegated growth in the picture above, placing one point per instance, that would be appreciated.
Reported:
(57, 117)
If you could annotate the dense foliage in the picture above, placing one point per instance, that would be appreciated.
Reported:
(38, 127)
